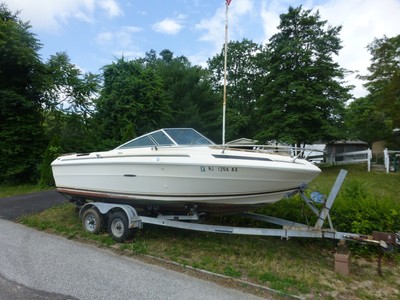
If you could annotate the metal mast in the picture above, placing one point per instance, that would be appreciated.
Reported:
(225, 64)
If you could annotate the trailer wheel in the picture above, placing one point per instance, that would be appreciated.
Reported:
(91, 220)
(118, 227)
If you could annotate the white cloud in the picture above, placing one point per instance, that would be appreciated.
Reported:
(168, 26)
(131, 29)
(111, 7)
(270, 20)
(199, 58)
(213, 27)
(362, 21)
(104, 38)
(121, 38)
(51, 15)
(119, 43)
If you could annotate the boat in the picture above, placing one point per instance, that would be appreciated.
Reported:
(180, 170)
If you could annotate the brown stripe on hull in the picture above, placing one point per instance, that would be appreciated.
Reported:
(161, 206)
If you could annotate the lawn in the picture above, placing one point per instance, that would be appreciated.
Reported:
(12, 190)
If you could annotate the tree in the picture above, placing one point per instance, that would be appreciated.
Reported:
(46, 174)
(22, 140)
(132, 94)
(303, 96)
(383, 82)
(129, 133)
(244, 77)
(67, 89)
(192, 100)
(365, 122)
(69, 97)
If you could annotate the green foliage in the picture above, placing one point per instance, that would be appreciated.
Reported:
(374, 117)
(21, 138)
(14, 190)
(192, 101)
(132, 94)
(66, 88)
(282, 284)
(69, 98)
(293, 209)
(384, 63)
(232, 272)
(151, 93)
(129, 133)
(244, 78)
(21, 133)
(303, 97)
(365, 122)
(390, 102)
(366, 202)
(139, 247)
(360, 211)
(20, 65)
(52, 152)
(383, 80)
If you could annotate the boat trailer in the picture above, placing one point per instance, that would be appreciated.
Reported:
(123, 219)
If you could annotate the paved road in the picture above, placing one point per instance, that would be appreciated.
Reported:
(36, 265)
(52, 267)
(13, 207)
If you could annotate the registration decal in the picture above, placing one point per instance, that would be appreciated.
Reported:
(218, 169)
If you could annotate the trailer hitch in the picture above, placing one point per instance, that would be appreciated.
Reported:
(387, 241)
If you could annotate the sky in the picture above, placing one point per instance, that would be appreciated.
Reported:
(95, 33)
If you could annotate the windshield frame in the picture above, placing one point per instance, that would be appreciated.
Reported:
(175, 136)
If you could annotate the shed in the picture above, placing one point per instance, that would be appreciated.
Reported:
(339, 147)
(242, 141)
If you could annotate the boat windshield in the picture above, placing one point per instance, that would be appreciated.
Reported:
(168, 137)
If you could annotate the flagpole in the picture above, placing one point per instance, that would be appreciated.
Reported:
(225, 65)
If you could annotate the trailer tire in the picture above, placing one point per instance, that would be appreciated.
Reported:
(118, 227)
(92, 220)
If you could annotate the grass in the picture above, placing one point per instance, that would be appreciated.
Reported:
(302, 267)
(11, 190)
(381, 186)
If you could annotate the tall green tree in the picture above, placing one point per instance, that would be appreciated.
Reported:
(132, 94)
(244, 78)
(365, 122)
(304, 94)
(383, 81)
(69, 95)
(67, 88)
(193, 102)
(21, 134)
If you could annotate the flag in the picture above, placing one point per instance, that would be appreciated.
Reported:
(228, 2)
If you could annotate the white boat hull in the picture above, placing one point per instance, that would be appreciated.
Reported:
(175, 178)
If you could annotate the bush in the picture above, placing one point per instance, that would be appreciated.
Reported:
(358, 210)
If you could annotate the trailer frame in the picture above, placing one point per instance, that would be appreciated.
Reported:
(123, 219)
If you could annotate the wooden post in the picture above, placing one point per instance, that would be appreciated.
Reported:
(342, 259)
